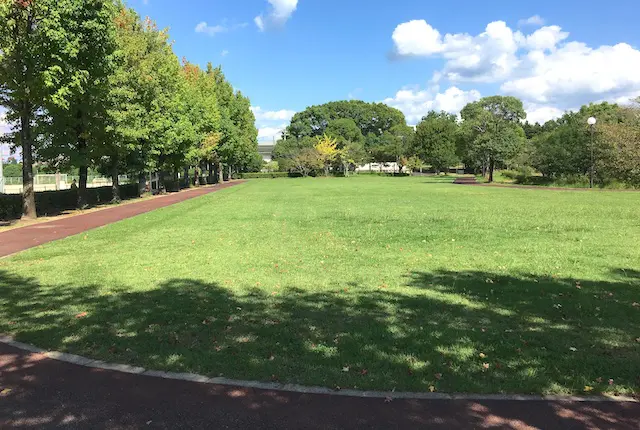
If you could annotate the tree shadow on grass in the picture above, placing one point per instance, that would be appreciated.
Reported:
(450, 331)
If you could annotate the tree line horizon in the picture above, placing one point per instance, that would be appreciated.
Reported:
(490, 133)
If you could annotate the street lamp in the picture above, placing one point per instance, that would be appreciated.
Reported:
(592, 125)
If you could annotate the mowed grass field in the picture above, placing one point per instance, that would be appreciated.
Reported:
(411, 284)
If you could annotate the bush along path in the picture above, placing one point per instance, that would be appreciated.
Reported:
(19, 239)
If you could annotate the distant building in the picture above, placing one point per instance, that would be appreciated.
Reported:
(266, 150)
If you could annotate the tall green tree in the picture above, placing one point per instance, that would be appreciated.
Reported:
(435, 140)
(493, 130)
(76, 126)
(35, 36)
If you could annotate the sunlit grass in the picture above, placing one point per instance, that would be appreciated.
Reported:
(367, 282)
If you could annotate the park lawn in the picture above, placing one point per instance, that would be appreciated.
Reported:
(412, 284)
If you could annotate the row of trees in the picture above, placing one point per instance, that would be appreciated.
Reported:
(88, 83)
(489, 134)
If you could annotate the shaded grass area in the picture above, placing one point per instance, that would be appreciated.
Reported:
(373, 283)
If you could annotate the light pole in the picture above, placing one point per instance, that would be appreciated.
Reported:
(592, 125)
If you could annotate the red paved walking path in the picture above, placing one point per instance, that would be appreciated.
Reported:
(22, 238)
(43, 393)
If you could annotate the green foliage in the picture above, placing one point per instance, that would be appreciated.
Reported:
(435, 140)
(88, 84)
(564, 147)
(264, 175)
(369, 117)
(12, 170)
(492, 131)
(345, 131)
(272, 166)
(286, 151)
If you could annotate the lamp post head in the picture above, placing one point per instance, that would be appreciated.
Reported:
(592, 121)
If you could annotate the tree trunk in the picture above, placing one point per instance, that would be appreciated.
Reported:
(161, 188)
(28, 194)
(115, 184)
(492, 166)
(210, 177)
(186, 177)
(229, 177)
(142, 183)
(220, 175)
(82, 187)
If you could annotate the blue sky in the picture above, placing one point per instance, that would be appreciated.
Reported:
(415, 55)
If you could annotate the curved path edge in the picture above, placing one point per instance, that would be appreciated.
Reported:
(302, 389)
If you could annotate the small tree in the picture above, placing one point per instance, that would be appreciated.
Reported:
(327, 148)
(307, 160)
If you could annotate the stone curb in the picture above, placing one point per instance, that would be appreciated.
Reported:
(294, 388)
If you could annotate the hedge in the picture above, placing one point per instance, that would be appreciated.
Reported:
(263, 175)
(54, 202)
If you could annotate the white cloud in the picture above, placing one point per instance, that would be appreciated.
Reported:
(279, 115)
(486, 57)
(211, 30)
(224, 53)
(542, 114)
(535, 20)
(416, 103)
(545, 38)
(267, 134)
(279, 13)
(575, 74)
(545, 69)
(417, 37)
(259, 22)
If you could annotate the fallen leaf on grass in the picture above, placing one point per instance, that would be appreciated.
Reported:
(345, 369)
(82, 315)
(573, 349)
(482, 355)
(485, 365)
(364, 372)
(588, 388)
(610, 381)
(432, 388)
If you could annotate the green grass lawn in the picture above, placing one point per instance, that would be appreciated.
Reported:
(368, 282)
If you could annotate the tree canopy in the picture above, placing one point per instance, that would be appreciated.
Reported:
(88, 84)
(373, 118)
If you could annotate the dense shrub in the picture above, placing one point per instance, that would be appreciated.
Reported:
(262, 175)
(53, 202)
